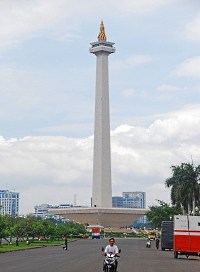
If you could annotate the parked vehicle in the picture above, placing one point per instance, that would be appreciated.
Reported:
(152, 235)
(96, 233)
(167, 235)
(186, 235)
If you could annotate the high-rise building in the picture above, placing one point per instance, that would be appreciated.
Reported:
(135, 199)
(9, 203)
(130, 200)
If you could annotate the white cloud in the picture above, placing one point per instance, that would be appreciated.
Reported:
(171, 88)
(142, 6)
(53, 169)
(128, 92)
(193, 29)
(23, 19)
(131, 61)
(66, 128)
(189, 68)
(53, 163)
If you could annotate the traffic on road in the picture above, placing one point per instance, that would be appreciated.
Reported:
(86, 255)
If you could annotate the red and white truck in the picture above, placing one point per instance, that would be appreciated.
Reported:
(96, 232)
(186, 235)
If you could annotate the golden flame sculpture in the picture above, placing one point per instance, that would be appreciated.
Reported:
(102, 35)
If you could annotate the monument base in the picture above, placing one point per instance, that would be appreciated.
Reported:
(106, 217)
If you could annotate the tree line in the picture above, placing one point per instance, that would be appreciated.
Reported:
(30, 228)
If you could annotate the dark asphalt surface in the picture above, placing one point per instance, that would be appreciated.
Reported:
(85, 255)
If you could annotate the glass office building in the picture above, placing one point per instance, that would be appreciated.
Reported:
(9, 203)
(130, 200)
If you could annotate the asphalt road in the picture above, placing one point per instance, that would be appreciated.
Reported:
(85, 255)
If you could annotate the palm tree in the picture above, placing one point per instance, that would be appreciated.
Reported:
(185, 188)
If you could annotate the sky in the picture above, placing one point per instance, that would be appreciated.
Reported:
(47, 96)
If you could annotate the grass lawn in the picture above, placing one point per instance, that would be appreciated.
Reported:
(35, 244)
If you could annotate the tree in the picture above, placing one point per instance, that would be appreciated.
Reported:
(18, 230)
(43, 228)
(3, 225)
(29, 229)
(161, 212)
(62, 230)
(185, 188)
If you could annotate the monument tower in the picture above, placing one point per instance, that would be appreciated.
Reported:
(102, 185)
(101, 212)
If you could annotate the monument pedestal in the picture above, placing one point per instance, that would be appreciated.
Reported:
(106, 217)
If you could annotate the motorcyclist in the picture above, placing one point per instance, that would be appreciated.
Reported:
(148, 243)
(111, 248)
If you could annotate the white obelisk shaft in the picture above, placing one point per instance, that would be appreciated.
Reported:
(102, 186)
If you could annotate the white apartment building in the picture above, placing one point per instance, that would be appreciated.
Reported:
(9, 203)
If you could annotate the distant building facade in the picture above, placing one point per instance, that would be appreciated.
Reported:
(9, 203)
(42, 210)
(130, 200)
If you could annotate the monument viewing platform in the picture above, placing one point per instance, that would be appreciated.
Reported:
(107, 217)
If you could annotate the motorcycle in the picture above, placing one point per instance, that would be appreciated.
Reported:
(110, 261)
(148, 244)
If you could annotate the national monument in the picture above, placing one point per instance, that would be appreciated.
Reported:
(101, 212)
